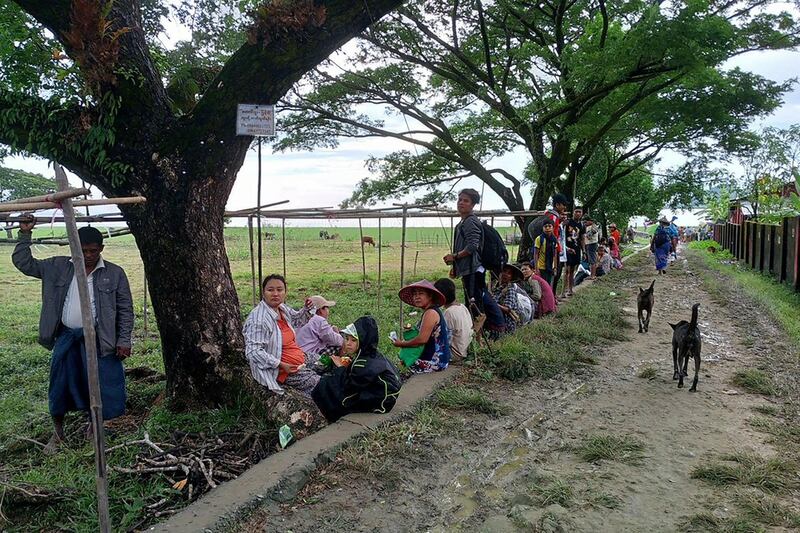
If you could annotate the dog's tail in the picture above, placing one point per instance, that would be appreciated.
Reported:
(693, 323)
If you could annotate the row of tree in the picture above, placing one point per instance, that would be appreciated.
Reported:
(583, 88)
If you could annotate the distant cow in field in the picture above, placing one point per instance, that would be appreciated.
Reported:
(334, 236)
(323, 234)
(367, 240)
(269, 236)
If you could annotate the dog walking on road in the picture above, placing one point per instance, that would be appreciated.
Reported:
(644, 302)
(686, 342)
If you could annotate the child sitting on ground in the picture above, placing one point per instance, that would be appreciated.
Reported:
(371, 383)
(458, 318)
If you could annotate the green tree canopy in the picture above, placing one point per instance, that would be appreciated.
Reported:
(461, 83)
(16, 184)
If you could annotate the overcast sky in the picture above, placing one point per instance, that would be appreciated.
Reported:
(327, 177)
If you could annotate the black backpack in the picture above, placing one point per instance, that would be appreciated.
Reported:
(535, 227)
(493, 250)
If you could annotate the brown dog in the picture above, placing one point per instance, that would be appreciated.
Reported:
(644, 302)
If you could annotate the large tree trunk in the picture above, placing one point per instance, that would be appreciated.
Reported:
(195, 302)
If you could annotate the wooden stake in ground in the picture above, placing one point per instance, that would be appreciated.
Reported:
(283, 244)
(252, 258)
(90, 340)
(380, 244)
(258, 202)
(363, 257)
(403, 261)
(144, 305)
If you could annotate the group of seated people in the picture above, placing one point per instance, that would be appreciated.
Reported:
(342, 369)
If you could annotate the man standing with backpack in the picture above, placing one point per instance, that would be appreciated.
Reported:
(466, 256)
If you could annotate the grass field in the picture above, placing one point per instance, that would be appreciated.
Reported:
(331, 268)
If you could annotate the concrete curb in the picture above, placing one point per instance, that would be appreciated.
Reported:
(281, 476)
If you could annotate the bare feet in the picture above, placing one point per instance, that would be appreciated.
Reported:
(53, 444)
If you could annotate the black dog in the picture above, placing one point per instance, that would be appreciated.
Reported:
(644, 302)
(686, 343)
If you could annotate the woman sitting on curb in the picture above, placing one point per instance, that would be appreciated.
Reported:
(369, 384)
(433, 333)
(270, 344)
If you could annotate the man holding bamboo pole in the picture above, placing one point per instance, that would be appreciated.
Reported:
(60, 326)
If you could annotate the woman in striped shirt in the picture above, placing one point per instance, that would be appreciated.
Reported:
(270, 344)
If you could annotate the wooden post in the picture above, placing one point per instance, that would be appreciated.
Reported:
(258, 202)
(283, 244)
(144, 304)
(452, 235)
(403, 262)
(380, 245)
(363, 257)
(252, 260)
(90, 341)
(416, 256)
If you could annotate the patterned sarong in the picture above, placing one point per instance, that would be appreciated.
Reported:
(69, 385)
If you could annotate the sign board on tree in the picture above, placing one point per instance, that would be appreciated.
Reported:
(255, 120)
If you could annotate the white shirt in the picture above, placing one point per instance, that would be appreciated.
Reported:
(459, 322)
(71, 315)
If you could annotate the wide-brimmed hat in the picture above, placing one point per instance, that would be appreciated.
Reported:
(612, 225)
(320, 302)
(663, 220)
(407, 292)
(516, 273)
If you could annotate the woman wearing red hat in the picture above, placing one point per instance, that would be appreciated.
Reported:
(433, 332)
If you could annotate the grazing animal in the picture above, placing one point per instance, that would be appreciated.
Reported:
(323, 234)
(367, 240)
(686, 342)
(334, 237)
(644, 302)
(269, 236)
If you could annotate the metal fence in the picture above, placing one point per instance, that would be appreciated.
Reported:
(773, 249)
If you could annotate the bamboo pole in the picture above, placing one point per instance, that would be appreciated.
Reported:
(416, 256)
(144, 305)
(33, 206)
(251, 210)
(451, 235)
(283, 244)
(380, 245)
(252, 259)
(403, 262)
(258, 202)
(52, 197)
(90, 341)
(363, 257)
(92, 218)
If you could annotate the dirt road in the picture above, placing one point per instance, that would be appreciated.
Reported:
(527, 470)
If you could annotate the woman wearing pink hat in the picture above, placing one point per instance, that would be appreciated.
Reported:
(433, 332)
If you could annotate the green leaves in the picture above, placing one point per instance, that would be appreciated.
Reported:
(560, 81)
(16, 184)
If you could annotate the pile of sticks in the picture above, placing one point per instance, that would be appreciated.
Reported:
(194, 463)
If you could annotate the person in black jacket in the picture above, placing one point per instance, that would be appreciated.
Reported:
(371, 383)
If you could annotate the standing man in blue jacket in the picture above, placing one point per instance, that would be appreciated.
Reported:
(61, 327)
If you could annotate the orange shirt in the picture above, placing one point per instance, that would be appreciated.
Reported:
(290, 351)
(617, 236)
